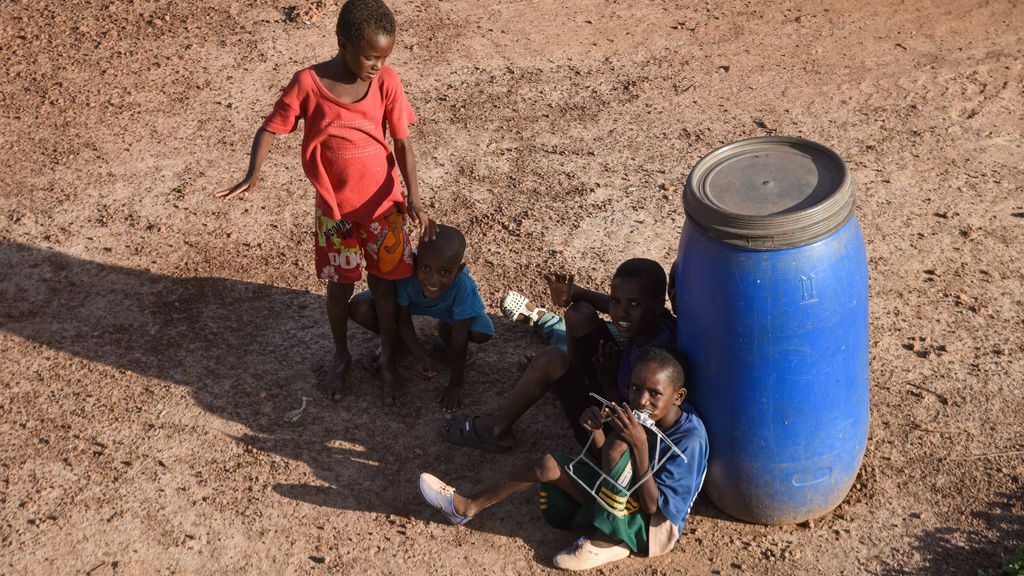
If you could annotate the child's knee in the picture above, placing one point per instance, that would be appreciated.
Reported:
(480, 337)
(611, 454)
(547, 469)
(552, 362)
(362, 311)
(581, 318)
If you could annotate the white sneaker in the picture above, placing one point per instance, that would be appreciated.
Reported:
(441, 496)
(583, 555)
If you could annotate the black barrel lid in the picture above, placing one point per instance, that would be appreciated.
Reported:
(769, 193)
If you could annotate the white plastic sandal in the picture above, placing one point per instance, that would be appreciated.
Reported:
(514, 304)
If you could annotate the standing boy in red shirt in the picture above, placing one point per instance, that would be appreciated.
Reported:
(348, 105)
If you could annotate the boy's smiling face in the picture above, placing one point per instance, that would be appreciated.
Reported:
(436, 270)
(365, 59)
(651, 389)
(633, 310)
(439, 261)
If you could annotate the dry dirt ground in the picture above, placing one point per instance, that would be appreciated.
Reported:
(152, 338)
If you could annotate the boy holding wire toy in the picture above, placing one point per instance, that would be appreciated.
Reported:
(636, 499)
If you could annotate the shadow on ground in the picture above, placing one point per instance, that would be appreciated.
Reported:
(981, 543)
(230, 341)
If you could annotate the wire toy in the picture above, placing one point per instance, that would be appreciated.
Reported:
(644, 418)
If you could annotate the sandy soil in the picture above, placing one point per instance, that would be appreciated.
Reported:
(152, 338)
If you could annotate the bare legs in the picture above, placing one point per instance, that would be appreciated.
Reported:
(379, 316)
(544, 470)
(545, 369)
(363, 311)
(385, 304)
(336, 379)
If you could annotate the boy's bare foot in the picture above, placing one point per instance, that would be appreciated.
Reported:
(451, 397)
(336, 378)
(394, 386)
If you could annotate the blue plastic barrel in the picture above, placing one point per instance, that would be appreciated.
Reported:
(772, 298)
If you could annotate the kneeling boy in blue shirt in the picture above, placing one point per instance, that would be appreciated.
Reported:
(645, 518)
(441, 288)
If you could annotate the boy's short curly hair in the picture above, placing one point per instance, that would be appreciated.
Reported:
(361, 18)
(448, 242)
(650, 274)
(671, 362)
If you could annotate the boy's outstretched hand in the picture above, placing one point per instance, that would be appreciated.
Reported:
(451, 397)
(560, 287)
(260, 147)
(245, 187)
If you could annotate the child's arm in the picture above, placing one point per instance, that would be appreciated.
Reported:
(593, 419)
(407, 335)
(406, 158)
(451, 397)
(635, 436)
(564, 292)
(260, 147)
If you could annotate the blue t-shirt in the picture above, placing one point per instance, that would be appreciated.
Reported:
(666, 339)
(679, 481)
(460, 301)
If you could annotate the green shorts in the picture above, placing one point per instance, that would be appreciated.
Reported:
(612, 512)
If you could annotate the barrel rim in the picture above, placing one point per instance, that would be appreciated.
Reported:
(769, 231)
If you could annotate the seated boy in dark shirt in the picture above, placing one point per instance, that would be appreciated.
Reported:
(592, 360)
(441, 288)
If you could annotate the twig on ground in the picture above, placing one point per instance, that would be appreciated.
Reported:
(942, 398)
(989, 455)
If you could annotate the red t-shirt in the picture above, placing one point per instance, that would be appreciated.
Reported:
(344, 150)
